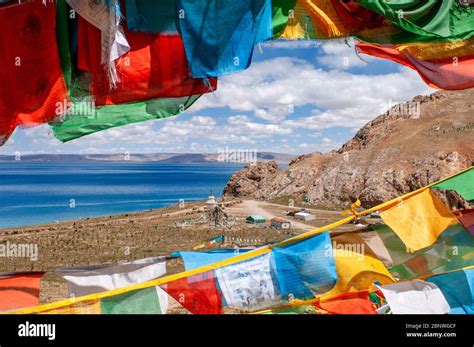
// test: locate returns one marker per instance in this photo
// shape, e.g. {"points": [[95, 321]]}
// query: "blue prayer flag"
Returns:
{"points": [[305, 268], [458, 289], [219, 35]]}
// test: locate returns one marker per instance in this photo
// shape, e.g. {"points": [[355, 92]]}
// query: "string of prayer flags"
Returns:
{"points": [[31, 80], [446, 74], [462, 184], [219, 35], [19, 290], [419, 219], [415, 297], [458, 289], [306, 268]]}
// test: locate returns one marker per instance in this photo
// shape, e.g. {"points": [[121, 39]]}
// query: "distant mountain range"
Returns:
{"points": [[280, 158]]}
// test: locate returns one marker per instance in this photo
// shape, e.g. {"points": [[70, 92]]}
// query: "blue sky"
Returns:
{"points": [[297, 97]]}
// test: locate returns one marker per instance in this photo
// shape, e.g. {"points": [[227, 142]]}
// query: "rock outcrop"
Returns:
{"points": [[410, 146]]}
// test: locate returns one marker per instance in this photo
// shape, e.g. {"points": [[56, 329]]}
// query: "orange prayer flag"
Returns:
{"points": [[454, 73], [19, 290], [418, 220], [348, 303]]}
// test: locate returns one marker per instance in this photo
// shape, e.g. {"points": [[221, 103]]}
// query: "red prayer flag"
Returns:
{"points": [[31, 80], [348, 303], [155, 67], [466, 218], [19, 290], [448, 74], [356, 17], [198, 294]]}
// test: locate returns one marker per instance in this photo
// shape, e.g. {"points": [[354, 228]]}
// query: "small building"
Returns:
{"points": [[255, 219], [305, 216], [280, 224]]}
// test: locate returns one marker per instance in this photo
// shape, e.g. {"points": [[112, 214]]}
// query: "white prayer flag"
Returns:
{"points": [[415, 297]]}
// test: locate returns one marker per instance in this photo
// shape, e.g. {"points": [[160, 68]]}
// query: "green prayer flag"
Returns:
{"points": [[426, 21], [463, 184], [281, 10], [142, 301], [84, 119]]}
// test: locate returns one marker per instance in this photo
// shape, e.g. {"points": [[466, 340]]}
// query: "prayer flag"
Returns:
{"points": [[198, 294], [248, 285], [282, 11], [19, 290], [31, 80], [141, 301], [348, 303], [95, 279], [415, 297], [448, 74], [458, 289], [306, 268], [152, 16], [426, 20], [466, 218], [85, 119], [419, 219], [357, 271], [155, 67], [219, 35], [463, 183]]}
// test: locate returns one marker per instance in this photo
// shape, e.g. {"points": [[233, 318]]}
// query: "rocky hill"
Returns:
{"points": [[411, 145]]}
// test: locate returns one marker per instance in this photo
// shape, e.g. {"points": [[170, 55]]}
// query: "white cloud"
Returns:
{"points": [[271, 88]]}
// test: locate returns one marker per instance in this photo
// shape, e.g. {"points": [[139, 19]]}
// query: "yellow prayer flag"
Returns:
{"points": [[325, 18], [419, 220], [357, 271], [438, 50], [83, 307]]}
